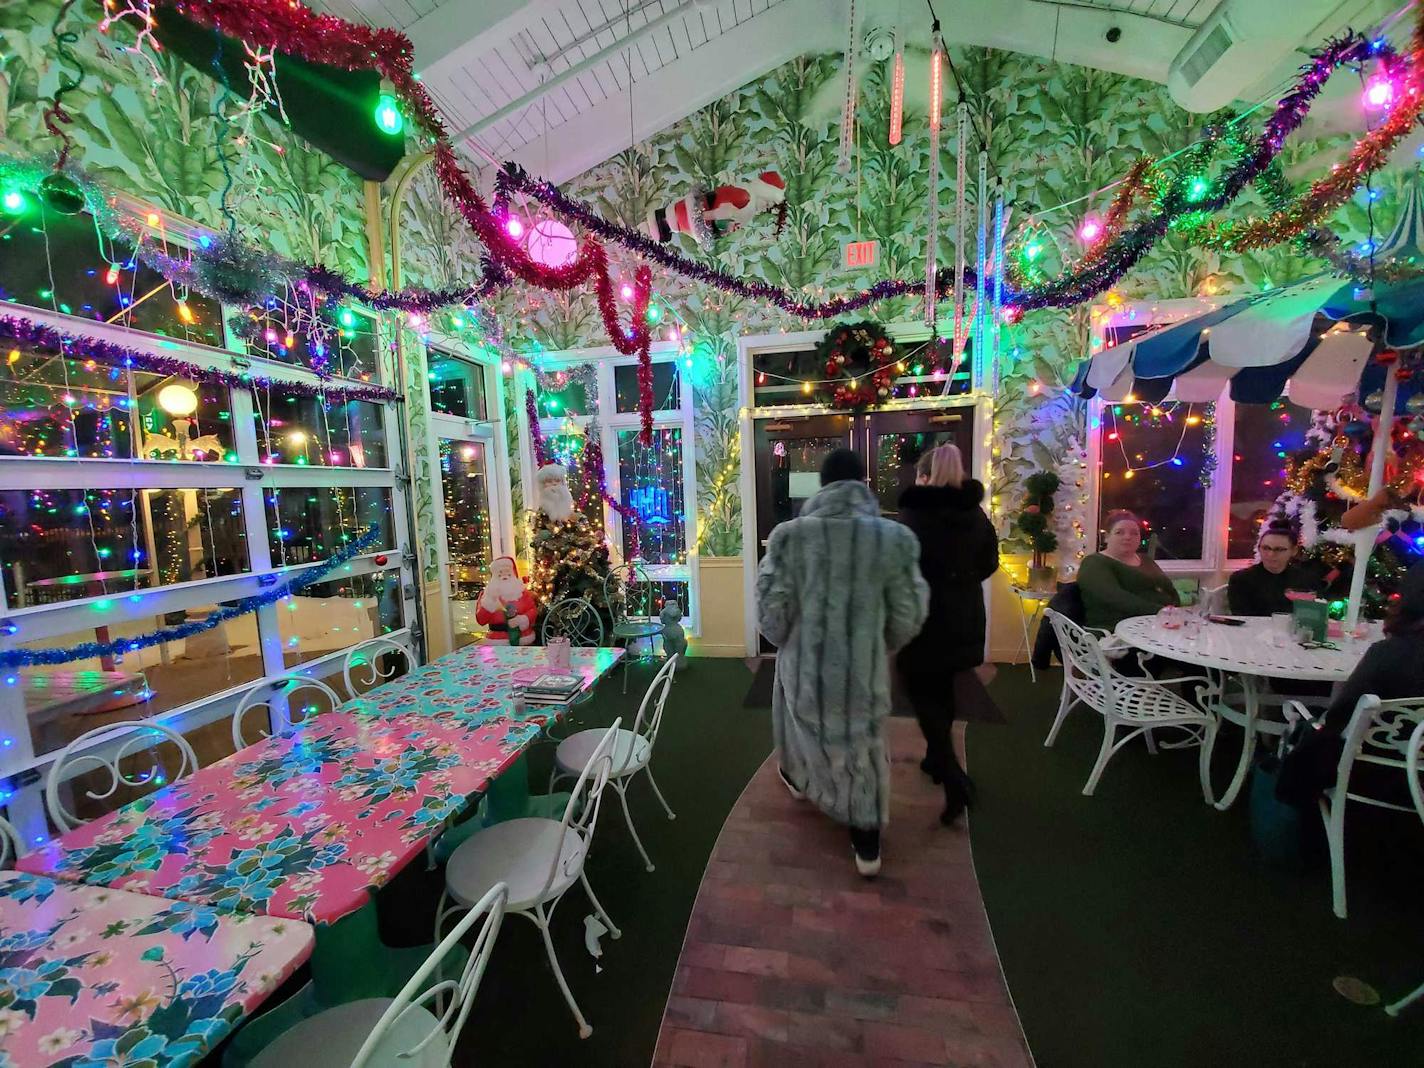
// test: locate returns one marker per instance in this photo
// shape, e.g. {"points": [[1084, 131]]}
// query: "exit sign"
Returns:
{"points": [[858, 254]]}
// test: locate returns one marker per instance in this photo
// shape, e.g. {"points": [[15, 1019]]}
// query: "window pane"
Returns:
{"points": [[306, 524], [651, 485], [467, 528], [63, 702], [558, 404], [297, 428], [41, 246], [457, 387], [667, 394], [63, 544], [778, 377], [1152, 466], [54, 407], [342, 339], [328, 616], [1266, 436]]}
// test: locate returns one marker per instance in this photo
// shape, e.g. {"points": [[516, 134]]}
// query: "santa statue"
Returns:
{"points": [[505, 606], [570, 552], [702, 215]]}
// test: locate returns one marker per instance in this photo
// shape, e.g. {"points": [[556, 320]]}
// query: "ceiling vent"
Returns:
{"points": [[1238, 45], [1204, 56]]}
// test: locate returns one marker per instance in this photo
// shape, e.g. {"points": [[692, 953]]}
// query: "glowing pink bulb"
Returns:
{"points": [[626, 291], [514, 228], [672, 334], [1090, 229], [271, 336], [1379, 92]]}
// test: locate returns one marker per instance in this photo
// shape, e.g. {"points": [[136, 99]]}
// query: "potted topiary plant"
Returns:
{"points": [[1033, 522]]}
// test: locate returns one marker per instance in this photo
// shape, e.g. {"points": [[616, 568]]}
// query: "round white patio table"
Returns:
{"points": [[1254, 652]]}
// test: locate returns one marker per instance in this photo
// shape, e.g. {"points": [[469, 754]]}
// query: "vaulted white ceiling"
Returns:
{"points": [[547, 82]]}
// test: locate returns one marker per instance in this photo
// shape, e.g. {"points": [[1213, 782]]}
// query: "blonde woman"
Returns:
{"points": [[958, 551]]}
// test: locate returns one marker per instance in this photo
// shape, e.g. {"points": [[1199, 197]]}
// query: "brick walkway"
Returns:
{"points": [[792, 959]]}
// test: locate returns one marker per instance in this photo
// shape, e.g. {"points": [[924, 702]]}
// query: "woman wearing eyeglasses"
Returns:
{"points": [[1260, 590]]}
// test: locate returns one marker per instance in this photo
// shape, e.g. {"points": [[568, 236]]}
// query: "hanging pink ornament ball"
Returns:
{"points": [[551, 243]]}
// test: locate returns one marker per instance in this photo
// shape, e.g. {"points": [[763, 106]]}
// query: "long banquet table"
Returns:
{"points": [[308, 823]]}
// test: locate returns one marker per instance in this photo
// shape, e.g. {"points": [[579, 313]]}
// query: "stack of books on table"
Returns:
{"points": [[551, 688]]}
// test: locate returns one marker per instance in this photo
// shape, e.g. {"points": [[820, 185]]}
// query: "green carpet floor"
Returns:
{"points": [[708, 750], [1137, 928]]}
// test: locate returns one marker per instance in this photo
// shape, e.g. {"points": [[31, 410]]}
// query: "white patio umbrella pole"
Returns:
{"points": [[1365, 539]]}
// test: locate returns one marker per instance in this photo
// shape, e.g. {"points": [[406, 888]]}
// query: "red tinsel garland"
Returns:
{"points": [[291, 27]]}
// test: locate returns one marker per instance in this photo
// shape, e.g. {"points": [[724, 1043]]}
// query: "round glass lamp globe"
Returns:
{"points": [[551, 243], [176, 399]]}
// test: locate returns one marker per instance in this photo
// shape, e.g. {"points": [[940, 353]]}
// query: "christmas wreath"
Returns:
{"points": [[860, 365]]}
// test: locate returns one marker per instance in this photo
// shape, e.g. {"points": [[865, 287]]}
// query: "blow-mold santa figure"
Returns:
{"points": [[702, 214], [505, 606]]}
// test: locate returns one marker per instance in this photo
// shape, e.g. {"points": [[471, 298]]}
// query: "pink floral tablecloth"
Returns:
{"points": [[307, 823], [91, 976]]}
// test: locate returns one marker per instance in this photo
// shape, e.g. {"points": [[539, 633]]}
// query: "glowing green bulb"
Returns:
{"points": [[13, 201], [654, 313], [1032, 251], [389, 119], [1197, 189], [347, 318]]}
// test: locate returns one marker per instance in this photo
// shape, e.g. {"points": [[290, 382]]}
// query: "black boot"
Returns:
{"points": [[928, 767], [959, 794]]}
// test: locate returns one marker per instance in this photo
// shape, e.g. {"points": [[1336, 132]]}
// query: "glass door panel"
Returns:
{"points": [[895, 440], [464, 481]]}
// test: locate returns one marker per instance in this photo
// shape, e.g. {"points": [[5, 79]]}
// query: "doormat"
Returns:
{"points": [[759, 692]]}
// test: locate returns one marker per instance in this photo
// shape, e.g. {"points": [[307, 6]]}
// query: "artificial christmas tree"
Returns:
{"points": [[570, 553]]}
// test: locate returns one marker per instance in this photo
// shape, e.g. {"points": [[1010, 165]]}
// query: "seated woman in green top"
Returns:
{"points": [[1118, 582]]}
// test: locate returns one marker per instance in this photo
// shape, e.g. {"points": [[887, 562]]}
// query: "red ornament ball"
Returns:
{"points": [[380, 559]]}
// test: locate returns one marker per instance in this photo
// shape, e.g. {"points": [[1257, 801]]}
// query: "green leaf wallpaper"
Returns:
{"points": [[160, 141]]}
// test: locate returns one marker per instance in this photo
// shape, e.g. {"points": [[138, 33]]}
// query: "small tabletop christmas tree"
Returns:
{"points": [[570, 553]]}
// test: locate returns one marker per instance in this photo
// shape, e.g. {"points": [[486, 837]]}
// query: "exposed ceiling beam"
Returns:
{"points": [[472, 27], [671, 93]]}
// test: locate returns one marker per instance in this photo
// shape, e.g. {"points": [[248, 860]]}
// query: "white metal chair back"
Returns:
{"points": [[576, 619], [1213, 600], [12, 847], [364, 661], [105, 749], [647, 724], [630, 594], [581, 812], [1082, 654], [265, 694], [1412, 764], [450, 1018], [1380, 733]]}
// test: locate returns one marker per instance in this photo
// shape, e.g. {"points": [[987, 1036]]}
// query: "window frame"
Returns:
{"points": [[490, 432], [1216, 499], [605, 359], [20, 765]]}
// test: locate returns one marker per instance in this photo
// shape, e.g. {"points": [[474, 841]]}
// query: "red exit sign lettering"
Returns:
{"points": [[859, 254]]}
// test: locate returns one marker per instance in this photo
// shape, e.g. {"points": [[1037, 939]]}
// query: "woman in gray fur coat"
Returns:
{"points": [[839, 590]]}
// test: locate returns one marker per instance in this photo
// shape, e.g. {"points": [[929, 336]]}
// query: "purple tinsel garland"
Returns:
{"points": [[18, 330], [1105, 269], [536, 435], [14, 658]]}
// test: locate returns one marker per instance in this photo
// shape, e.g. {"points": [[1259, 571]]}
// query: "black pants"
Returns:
{"points": [[934, 707]]}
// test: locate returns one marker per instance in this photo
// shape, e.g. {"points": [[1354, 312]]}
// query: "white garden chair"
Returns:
{"points": [[1413, 752], [105, 749], [1213, 600], [12, 846], [632, 753], [539, 860], [573, 618], [1138, 706], [278, 696], [365, 659], [1378, 734], [388, 1032]]}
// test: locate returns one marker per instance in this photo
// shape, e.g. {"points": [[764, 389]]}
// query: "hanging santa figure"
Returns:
{"points": [[702, 215], [505, 606]]}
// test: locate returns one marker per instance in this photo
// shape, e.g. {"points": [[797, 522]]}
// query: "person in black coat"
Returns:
{"points": [[958, 551]]}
